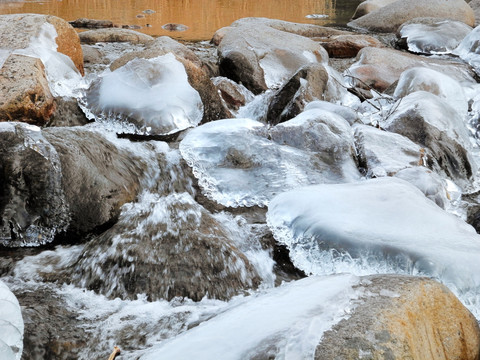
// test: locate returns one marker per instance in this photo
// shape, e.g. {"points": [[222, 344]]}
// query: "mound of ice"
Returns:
{"points": [[11, 325], [469, 49], [152, 94], [237, 164], [285, 323], [376, 226], [439, 37]]}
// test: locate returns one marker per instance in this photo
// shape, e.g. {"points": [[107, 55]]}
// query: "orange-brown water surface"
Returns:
{"points": [[202, 17]]}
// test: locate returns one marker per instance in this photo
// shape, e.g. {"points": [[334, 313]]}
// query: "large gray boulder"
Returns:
{"points": [[428, 121], [261, 57], [369, 6], [389, 18], [378, 68], [401, 317], [165, 247]]}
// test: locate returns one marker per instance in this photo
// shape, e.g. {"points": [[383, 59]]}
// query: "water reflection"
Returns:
{"points": [[202, 17]]}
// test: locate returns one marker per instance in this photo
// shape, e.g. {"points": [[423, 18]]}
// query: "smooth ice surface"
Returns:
{"points": [[469, 49], [441, 37], [11, 325], [285, 323], [377, 226], [424, 79], [237, 165], [153, 94]]}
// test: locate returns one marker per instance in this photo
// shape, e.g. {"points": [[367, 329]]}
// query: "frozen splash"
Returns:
{"points": [[11, 325], [377, 226], [153, 95]]}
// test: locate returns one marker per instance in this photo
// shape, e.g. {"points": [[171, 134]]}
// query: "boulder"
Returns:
{"points": [[378, 68], [389, 17], [366, 7], [383, 153], [475, 5], [428, 121], [434, 82], [197, 73], [233, 95], [347, 46], [469, 49], [114, 35], [21, 31], [85, 23], [432, 35], [262, 57], [165, 247], [33, 207], [24, 91], [67, 113], [401, 317]]}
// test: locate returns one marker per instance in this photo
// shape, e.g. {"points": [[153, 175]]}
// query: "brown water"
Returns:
{"points": [[202, 17]]}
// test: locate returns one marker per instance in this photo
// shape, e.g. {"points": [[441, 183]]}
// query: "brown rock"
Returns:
{"points": [[24, 91], [114, 35], [91, 23], [17, 31], [402, 317], [234, 95], [346, 46]]}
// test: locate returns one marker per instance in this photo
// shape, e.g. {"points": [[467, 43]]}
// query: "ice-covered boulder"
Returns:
{"points": [[152, 95], [261, 57], [432, 81], [389, 18], [383, 153], [33, 206], [429, 121], [376, 226], [394, 319], [237, 164], [165, 247], [379, 68], [11, 325], [432, 35], [286, 322], [347, 113], [469, 49]]}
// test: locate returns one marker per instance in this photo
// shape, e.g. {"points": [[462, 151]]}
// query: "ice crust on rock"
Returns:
{"points": [[11, 325], [286, 322], [469, 49], [152, 94], [383, 225], [441, 37], [237, 165]]}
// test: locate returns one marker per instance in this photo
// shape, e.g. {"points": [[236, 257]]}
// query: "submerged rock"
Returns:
{"points": [[400, 317], [432, 35], [389, 17], [165, 247]]}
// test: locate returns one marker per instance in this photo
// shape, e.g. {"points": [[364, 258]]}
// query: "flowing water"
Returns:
{"points": [[202, 17]]}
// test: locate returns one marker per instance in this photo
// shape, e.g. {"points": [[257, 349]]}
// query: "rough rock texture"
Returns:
{"points": [[17, 31], [24, 92], [428, 121], [262, 57], [165, 247], [67, 113], [403, 317], [389, 18], [368, 6], [308, 84], [114, 35], [91, 23], [33, 208], [383, 153], [346, 46], [98, 177], [381, 67], [233, 95], [198, 77]]}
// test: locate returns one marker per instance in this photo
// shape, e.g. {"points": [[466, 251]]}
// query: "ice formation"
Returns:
{"points": [[469, 49], [11, 325], [376, 226], [285, 323], [237, 165], [440, 37], [152, 94]]}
